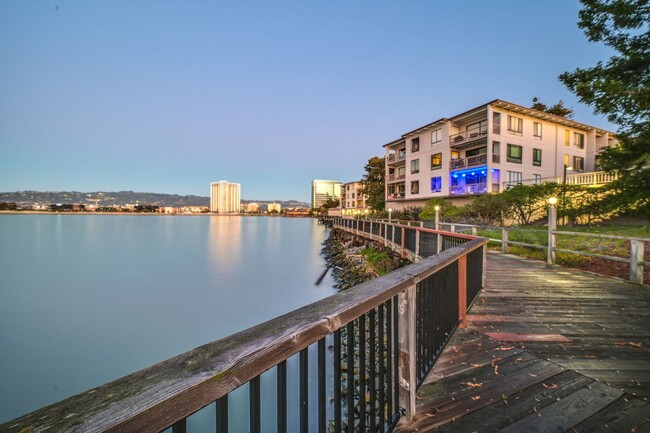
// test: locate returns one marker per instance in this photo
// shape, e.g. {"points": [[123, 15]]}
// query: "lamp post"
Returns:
{"points": [[566, 168], [390, 212], [552, 226], [437, 208], [366, 213]]}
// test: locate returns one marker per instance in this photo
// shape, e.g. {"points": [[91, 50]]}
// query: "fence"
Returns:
{"points": [[360, 355], [410, 238], [635, 259]]}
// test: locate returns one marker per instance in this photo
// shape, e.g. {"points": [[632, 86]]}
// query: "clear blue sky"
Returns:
{"points": [[167, 96]]}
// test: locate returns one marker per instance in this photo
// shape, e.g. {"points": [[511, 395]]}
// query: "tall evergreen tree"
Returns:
{"points": [[374, 186], [620, 89]]}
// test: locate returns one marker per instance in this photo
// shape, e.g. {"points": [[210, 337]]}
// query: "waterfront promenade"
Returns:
{"points": [[545, 349]]}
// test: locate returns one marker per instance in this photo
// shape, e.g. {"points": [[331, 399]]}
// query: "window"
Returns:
{"points": [[537, 157], [415, 144], [567, 161], [455, 154], [514, 153], [567, 136], [579, 140], [515, 124], [478, 128], [578, 163], [537, 178], [475, 152], [537, 130], [436, 136], [436, 184], [496, 151], [436, 161], [496, 123], [415, 166], [415, 187], [514, 178]]}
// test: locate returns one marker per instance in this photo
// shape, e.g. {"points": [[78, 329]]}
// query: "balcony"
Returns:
{"points": [[474, 188], [396, 177], [468, 162], [468, 138], [395, 196], [396, 158]]}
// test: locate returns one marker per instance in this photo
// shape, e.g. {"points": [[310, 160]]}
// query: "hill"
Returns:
{"points": [[104, 198]]}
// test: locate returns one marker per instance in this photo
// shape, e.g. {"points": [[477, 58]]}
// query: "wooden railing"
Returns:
{"points": [[350, 362], [410, 238], [636, 252]]}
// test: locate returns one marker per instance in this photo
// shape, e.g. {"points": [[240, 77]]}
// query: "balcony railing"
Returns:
{"points": [[474, 188], [468, 162], [396, 177], [393, 158], [463, 139], [592, 178], [396, 196]]}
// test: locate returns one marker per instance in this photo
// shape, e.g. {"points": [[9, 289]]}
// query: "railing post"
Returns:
{"points": [[438, 243], [417, 245], [637, 248], [473, 230], [462, 291], [504, 240], [403, 240], [452, 228], [552, 226], [407, 351]]}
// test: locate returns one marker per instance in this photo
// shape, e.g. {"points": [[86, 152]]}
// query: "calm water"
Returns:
{"points": [[87, 299]]}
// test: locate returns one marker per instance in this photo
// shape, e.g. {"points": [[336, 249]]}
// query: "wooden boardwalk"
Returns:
{"points": [[546, 349]]}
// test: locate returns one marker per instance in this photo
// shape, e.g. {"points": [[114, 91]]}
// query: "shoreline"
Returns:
{"points": [[35, 212]]}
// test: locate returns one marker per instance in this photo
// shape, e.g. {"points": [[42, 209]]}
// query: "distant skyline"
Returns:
{"points": [[168, 97]]}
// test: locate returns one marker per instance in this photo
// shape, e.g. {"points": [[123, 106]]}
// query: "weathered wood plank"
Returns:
{"points": [[567, 412]]}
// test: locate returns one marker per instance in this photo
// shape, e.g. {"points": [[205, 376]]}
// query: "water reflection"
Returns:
{"points": [[87, 299]]}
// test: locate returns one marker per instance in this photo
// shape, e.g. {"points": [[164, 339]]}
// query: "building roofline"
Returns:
{"points": [[500, 103]]}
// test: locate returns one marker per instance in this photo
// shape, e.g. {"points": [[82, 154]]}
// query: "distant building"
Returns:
{"points": [[353, 202], [251, 207], [225, 197], [323, 190], [274, 207]]}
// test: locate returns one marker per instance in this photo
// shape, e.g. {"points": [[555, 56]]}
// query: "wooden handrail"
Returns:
{"points": [[157, 397]]}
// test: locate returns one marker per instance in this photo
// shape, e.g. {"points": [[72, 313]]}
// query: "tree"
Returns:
{"points": [[558, 109], [374, 186], [329, 204], [526, 202], [620, 89], [428, 213], [487, 209]]}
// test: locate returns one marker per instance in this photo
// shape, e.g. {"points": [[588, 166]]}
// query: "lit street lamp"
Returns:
{"points": [[390, 212]]}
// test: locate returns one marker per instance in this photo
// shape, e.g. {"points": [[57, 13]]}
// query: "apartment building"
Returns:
{"points": [[322, 190], [485, 150], [353, 202], [225, 197]]}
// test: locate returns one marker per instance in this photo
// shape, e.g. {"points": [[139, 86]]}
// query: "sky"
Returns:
{"points": [[167, 96]]}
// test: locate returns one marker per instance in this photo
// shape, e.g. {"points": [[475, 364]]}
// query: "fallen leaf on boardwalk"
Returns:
{"points": [[477, 365], [496, 370], [535, 410], [519, 359], [476, 397], [505, 348], [631, 344], [472, 384], [553, 386], [532, 375]]}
